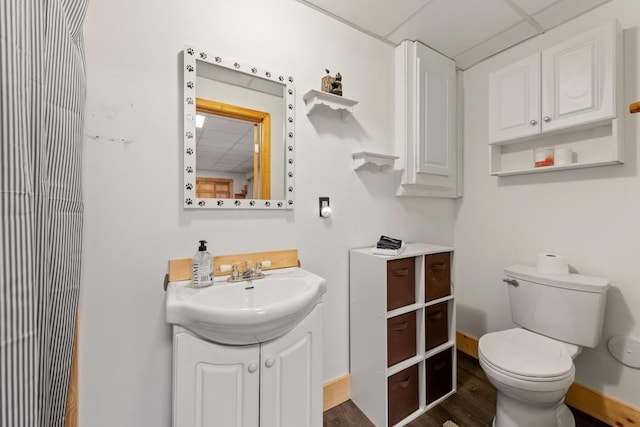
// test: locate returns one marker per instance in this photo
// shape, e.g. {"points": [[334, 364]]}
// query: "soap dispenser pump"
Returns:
{"points": [[201, 266]]}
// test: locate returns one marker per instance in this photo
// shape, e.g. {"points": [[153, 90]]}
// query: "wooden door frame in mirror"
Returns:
{"points": [[190, 57], [254, 116]]}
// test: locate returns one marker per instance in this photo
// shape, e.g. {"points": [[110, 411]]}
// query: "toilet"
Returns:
{"points": [[532, 366]]}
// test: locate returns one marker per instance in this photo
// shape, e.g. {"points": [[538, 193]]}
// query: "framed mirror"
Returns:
{"points": [[239, 140]]}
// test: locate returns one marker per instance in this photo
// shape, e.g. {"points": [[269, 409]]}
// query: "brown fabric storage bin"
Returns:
{"points": [[403, 391], [439, 375], [437, 276], [436, 325], [401, 338], [401, 283]]}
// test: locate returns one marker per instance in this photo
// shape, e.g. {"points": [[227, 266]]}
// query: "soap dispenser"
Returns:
{"points": [[201, 266]]}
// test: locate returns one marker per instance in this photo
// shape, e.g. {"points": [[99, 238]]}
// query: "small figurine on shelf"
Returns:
{"points": [[327, 82], [336, 85]]}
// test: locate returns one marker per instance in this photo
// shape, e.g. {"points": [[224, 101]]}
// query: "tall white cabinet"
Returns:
{"points": [[402, 332], [276, 383], [426, 122], [573, 87]]}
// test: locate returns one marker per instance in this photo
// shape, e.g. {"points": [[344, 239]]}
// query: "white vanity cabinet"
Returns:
{"points": [[426, 122], [569, 87], [402, 332], [275, 383]]}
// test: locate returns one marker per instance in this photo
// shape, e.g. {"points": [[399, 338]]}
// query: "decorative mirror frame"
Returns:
{"points": [[191, 54]]}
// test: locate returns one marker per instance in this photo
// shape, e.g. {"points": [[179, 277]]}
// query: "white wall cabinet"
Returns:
{"points": [[276, 383], [574, 86], [402, 332], [426, 122]]}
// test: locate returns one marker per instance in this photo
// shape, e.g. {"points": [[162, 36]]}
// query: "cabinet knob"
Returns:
{"points": [[253, 366], [533, 122], [269, 362], [547, 119]]}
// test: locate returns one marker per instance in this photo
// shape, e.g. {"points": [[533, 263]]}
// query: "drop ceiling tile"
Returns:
{"points": [[454, 26], [533, 6], [223, 124], [563, 11], [209, 137], [377, 16], [498, 43]]}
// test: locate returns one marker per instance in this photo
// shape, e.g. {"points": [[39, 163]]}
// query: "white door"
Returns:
{"points": [[291, 371], [436, 113], [514, 100], [215, 385], [578, 79]]}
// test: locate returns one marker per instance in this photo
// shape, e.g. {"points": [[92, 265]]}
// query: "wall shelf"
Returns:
{"points": [[365, 159], [314, 98], [591, 147], [556, 168]]}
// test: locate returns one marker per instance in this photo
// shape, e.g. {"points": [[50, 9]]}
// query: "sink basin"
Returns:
{"points": [[245, 312]]}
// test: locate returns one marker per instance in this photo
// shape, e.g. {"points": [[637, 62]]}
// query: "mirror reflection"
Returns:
{"points": [[239, 135], [233, 151]]}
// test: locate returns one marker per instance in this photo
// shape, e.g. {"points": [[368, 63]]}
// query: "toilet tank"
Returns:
{"points": [[569, 308]]}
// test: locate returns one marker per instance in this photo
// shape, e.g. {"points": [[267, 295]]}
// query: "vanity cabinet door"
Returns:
{"points": [[578, 80], [514, 100], [214, 385], [291, 376]]}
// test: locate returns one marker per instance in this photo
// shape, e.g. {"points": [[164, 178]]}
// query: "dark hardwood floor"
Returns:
{"points": [[472, 406]]}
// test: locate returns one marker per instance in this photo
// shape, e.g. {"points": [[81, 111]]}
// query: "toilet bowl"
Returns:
{"points": [[532, 374], [532, 366]]}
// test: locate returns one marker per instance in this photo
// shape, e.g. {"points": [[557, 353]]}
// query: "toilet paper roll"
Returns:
{"points": [[563, 156], [552, 264]]}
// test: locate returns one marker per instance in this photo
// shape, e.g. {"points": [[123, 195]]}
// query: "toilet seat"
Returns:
{"points": [[527, 356]]}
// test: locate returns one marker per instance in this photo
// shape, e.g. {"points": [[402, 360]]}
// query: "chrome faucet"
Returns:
{"points": [[249, 273]]}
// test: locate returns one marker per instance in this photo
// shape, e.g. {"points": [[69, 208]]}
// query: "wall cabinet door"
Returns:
{"points": [[578, 80], [215, 385], [426, 117], [291, 376], [514, 100], [436, 113]]}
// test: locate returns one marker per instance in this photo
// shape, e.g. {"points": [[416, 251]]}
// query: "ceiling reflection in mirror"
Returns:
{"points": [[239, 135]]}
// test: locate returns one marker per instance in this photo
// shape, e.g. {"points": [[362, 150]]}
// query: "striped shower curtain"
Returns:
{"points": [[42, 90]]}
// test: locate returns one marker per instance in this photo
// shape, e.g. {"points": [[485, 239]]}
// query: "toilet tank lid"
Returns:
{"points": [[578, 282]]}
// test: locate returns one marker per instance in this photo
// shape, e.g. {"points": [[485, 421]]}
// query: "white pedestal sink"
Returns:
{"points": [[246, 312]]}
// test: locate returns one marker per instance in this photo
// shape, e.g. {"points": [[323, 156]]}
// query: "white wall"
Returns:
{"points": [[134, 220], [590, 215]]}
